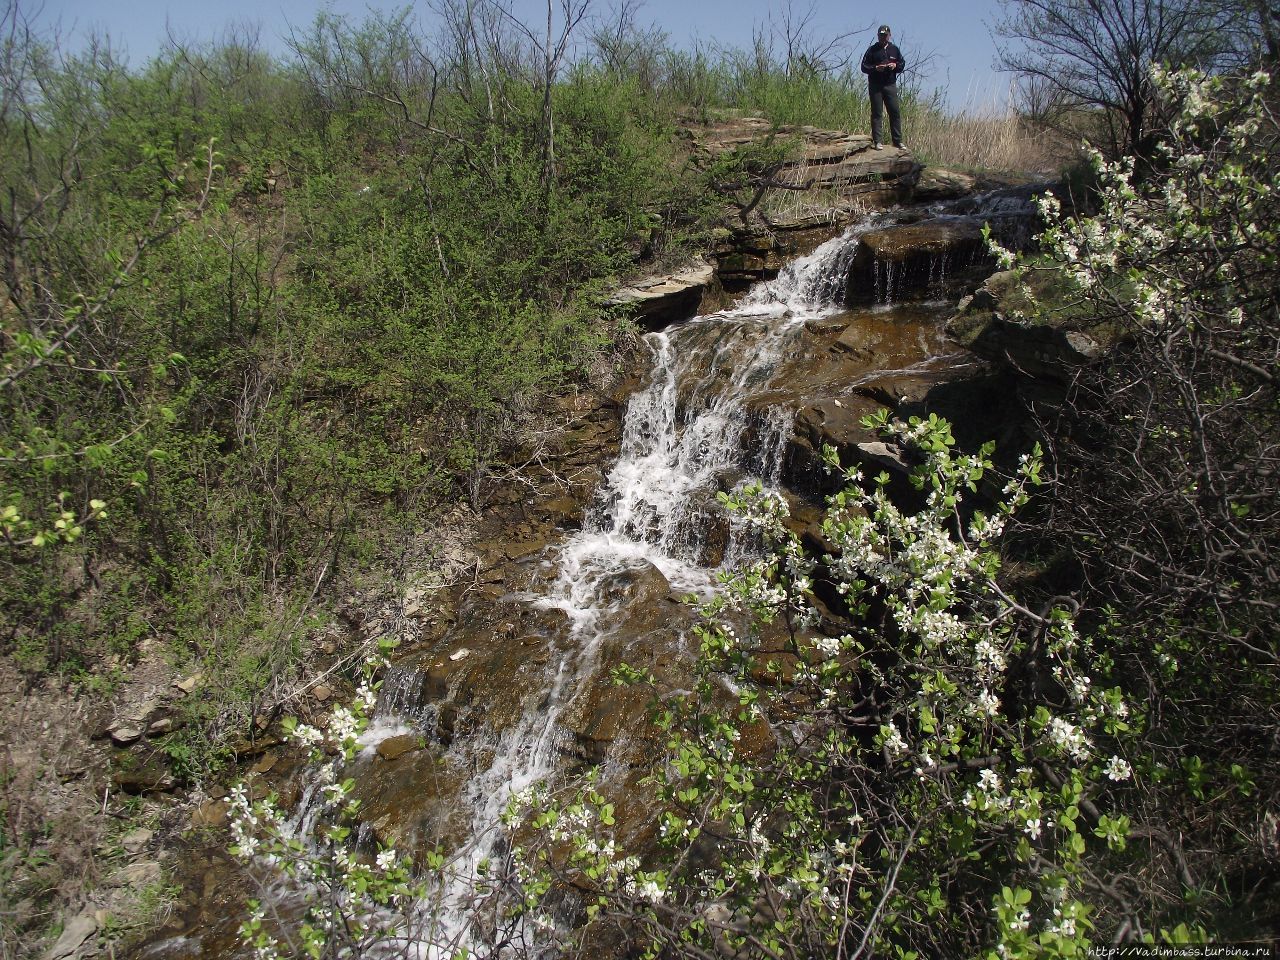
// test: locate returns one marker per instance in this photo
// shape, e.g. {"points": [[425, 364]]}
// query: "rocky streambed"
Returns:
{"points": [[584, 565]]}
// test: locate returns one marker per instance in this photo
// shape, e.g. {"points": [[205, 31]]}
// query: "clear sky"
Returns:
{"points": [[953, 33]]}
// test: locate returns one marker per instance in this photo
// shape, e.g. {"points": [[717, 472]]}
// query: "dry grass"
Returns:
{"points": [[986, 138]]}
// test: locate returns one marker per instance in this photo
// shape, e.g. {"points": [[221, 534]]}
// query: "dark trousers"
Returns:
{"points": [[882, 98]]}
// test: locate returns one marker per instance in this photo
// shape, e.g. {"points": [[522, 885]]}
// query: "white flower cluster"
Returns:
{"points": [[1069, 739], [1118, 769], [892, 740], [827, 646]]}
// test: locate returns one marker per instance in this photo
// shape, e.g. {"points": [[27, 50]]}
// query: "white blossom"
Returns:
{"points": [[1118, 769]]}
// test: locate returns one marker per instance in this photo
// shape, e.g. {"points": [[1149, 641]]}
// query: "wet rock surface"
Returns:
{"points": [[507, 657], [917, 261]]}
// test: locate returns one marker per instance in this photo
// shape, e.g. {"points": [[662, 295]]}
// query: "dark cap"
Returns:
{"points": [[884, 28]]}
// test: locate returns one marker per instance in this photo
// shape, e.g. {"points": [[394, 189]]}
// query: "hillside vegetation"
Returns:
{"points": [[266, 317]]}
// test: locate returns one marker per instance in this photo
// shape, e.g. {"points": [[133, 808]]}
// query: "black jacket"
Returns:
{"points": [[876, 55]]}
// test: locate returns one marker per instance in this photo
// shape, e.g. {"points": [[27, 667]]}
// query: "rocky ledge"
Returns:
{"points": [[994, 323], [657, 301], [830, 179]]}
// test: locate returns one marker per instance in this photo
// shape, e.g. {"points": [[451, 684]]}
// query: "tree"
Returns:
{"points": [[921, 775], [1096, 55], [1166, 459]]}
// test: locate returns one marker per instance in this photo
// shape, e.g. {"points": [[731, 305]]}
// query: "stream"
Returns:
{"points": [[718, 410], [517, 691]]}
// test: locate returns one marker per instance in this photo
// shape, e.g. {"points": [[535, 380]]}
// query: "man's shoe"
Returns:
{"points": [[901, 146], [876, 146]]}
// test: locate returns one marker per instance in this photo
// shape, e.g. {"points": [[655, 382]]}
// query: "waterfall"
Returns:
{"points": [[701, 424], [682, 436]]}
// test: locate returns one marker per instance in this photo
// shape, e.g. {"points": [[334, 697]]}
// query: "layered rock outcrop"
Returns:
{"points": [[916, 261], [830, 179], [996, 322], [656, 301]]}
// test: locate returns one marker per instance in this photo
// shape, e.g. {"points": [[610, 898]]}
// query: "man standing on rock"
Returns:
{"points": [[882, 63]]}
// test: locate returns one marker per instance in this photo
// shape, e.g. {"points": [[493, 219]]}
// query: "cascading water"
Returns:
{"points": [[509, 695], [709, 419], [683, 439]]}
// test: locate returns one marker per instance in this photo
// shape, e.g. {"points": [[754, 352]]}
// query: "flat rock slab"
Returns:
{"points": [[74, 934], [657, 301]]}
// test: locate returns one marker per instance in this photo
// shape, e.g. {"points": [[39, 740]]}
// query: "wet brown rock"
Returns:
{"points": [[393, 748], [562, 511], [834, 423], [604, 720], [519, 551], [916, 261], [715, 540], [412, 804], [825, 325], [775, 669]]}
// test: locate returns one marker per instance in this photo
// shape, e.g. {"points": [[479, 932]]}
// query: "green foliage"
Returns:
{"points": [[1166, 500], [251, 300], [829, 791]]}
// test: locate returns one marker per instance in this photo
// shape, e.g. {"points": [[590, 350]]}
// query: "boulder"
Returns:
{"points": [[212, 814], [937, 184], [822, 160], [124, 733], [1006, 320], [1041, 352], [393, 748]]}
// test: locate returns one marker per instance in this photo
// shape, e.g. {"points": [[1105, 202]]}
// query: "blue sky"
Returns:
{"points": [[954, 33]]}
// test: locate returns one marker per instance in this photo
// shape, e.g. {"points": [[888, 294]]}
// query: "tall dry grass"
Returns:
{"points": [[986, 137]]}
